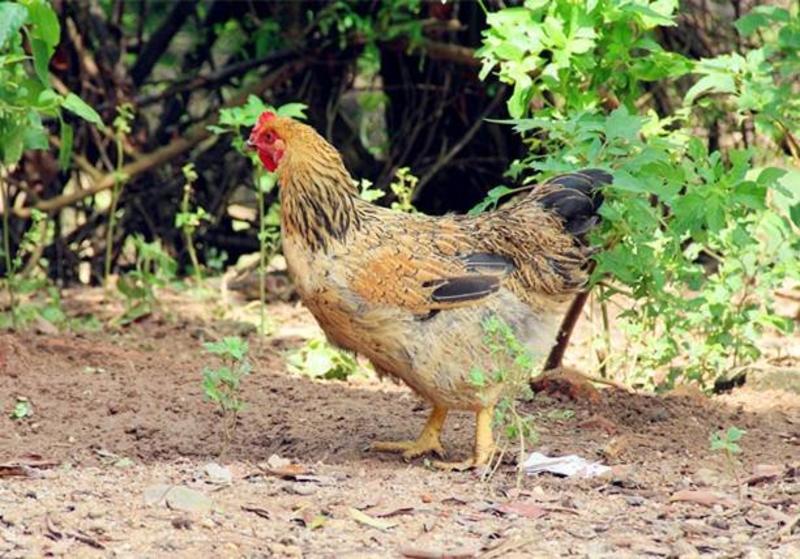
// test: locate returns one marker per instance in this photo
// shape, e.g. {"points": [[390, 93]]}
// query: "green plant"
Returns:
{"points": [[728, 443], [26, 99], [402, 187], [25, 93], [511, 366], [22, 409], [696, 240], [215, 259], [317, 359], [188, 220], [232, 121], [153, 268], [122, 127], [222, 385], [31, 295]]}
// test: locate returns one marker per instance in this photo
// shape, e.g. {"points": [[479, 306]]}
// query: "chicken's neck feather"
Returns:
{"points": [[318, 196]]}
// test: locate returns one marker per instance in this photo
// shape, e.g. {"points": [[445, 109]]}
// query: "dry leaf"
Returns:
{"points": [[394, 510], [188, 500], [154, 494], [26, 467], [258, 511], [368, 520], [764, 472], [420, 553], [284, 468], [703, 497], [527, 509]]}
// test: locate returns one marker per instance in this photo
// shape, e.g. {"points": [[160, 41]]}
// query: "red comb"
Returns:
{"points": [[265, 116]]}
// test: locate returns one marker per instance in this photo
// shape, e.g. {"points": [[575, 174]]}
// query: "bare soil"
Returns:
{"points": [[118, 415]]}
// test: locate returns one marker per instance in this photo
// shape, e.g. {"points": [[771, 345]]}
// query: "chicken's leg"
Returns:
{"points": [[484, 444], [428, 440]]}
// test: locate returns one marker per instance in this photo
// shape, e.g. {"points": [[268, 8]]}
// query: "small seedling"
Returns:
{"points": [[122, 128], [728, 442], [511, 366], [222, 385], [22, 409], [188, 220], [403, 187], [154, 268]]}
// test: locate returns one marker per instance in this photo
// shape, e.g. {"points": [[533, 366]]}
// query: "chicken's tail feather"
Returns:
{"points": [[575, 197]]}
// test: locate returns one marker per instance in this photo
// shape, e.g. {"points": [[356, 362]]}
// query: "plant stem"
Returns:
{"points": [[262, 262], [606, 331], [113, 211], [188, 231], [7, 248]]}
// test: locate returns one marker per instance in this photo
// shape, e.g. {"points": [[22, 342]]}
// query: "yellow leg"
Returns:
{"points": [[484, 444], [428, 440]]}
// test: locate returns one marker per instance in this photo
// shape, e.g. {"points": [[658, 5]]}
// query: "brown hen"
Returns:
{"points": [[411, 292]]}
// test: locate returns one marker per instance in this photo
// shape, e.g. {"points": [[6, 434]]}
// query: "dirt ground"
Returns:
{"points": [[120, 458]]}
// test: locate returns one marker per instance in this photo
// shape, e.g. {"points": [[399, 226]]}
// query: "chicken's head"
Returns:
{"points": [[266, 138]]}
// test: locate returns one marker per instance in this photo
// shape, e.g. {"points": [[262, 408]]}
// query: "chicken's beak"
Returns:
{"points": [[250, 143]]}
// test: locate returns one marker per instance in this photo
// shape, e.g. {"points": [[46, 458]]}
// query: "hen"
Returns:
{"points": [[411, 292]]}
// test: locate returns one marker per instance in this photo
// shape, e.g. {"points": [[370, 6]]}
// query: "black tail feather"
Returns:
{"points": [[578, 199]]}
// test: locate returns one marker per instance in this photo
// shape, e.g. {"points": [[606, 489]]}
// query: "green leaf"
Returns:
{"points": [[45, 23], [649, 16], [22, 409], [12, 17], [41, 60], [65, 151], [12, 144], [518, 102], [717, 83], [621, 124], [34, 138], [735, 434], [477, 377], [760, 16], [293, 110], [53, 314], [78, 106]]}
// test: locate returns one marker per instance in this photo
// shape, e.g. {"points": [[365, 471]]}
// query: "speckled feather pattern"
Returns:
{"points": [[410, 291]]}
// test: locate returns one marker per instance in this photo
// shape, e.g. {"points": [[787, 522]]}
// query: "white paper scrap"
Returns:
{"points": [[571, 465]]}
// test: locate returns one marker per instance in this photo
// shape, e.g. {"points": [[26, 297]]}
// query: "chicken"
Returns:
{"points": [[411, 292]]}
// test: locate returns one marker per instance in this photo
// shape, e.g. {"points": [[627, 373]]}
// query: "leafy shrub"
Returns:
{"points": [[26, 99], [696, 241]]}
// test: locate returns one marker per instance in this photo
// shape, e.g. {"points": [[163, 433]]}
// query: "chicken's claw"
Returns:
{"points": [[428, 440], [410, 449]]}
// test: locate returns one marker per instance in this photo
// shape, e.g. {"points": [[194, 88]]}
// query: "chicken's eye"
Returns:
{"points": [[269, 136]]}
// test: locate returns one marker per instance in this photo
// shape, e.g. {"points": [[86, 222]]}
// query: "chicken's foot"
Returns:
{"points": [[428, 440], [484, 444]]}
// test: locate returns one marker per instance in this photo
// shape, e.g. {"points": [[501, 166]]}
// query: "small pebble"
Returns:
{"points": [[634, 500]]}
